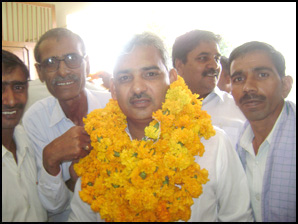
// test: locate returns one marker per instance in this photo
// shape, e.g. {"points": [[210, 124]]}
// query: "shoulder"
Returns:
{"points": [[219, 140], [22, 140], [99, 93], [291, 106], [97, 99], [39, 108]]}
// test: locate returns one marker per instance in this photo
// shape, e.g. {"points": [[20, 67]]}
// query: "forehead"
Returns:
{"points": [[16, 74], [206, 46], [139, 57], [251, 60], [59, 46]]}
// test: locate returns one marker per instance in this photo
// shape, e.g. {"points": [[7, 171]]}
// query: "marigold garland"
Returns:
{"points": [[154, 179]]}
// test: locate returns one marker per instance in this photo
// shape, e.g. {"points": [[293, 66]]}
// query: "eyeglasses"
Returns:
{"points": [[71, 60]]}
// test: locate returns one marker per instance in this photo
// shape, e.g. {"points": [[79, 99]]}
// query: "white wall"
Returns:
{"points": [[65, 8], [104, 25]]}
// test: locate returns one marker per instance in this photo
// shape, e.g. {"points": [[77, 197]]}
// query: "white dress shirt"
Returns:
{"points": [[255, 167], [225, 197], [224, 112], [45, 121], [20, 201]]}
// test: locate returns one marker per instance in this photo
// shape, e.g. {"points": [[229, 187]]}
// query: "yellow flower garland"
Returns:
{"points": [[154, 179]]}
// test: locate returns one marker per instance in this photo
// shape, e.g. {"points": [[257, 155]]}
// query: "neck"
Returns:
{"points": [[137, 129], [262, 128], [76, 108], [8, 141]]}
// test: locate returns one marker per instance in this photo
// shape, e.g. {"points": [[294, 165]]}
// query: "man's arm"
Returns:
{"points": [[53, 191]]}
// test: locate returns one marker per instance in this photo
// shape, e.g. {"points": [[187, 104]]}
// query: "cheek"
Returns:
{"points": [[236, 93]]}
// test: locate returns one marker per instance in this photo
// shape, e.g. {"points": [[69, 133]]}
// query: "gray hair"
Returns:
{"points": [[147, 39], [57, 33]]}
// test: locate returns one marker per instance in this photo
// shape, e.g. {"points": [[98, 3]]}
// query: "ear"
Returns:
{"points": [[113, 89], [179, 65], [39, 72], [287, 83], [173, 75]]}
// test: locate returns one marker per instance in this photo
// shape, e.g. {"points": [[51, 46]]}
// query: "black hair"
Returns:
{"points": [[277, 58], [10, 62], [224, 61], [188, 41]]}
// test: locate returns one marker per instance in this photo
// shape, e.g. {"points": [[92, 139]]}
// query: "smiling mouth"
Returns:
{"points": [[64, 83], [212, 75], [9, 112]]}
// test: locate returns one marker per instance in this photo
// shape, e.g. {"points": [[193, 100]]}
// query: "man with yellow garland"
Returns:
{"points": [[140, 86]]}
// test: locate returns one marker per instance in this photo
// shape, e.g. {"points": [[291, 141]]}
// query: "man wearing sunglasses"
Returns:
{"points": [[55, 124]]}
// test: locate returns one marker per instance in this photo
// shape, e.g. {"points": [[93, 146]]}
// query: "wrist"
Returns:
{"points": [[51, 164]]}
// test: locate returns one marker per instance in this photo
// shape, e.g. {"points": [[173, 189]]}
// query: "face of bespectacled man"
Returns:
{"points": [[140, 83], [257, 88], [64, 81], [14, 97], [202, 68]]}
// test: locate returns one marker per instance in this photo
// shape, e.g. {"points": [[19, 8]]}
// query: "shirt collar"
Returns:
{"points": [[214, 93], [58, 114], [248, 134], [127, 131], [22, 144]]}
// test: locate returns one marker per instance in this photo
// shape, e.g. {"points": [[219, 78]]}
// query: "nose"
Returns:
{"points": [[8, 97], [215, 64], [138, 85], [250, 84], [63, 69]]}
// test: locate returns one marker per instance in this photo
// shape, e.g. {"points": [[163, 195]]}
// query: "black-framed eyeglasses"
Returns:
{"points": [[72, 60]]}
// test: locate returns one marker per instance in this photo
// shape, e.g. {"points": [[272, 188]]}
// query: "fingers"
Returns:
{"points": [[73, 144]]}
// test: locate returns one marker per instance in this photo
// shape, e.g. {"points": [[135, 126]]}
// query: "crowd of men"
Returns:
{"points": [[251, 160]]}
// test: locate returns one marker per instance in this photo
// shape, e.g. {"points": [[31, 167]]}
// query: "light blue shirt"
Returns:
{"points": [[45, 121]]}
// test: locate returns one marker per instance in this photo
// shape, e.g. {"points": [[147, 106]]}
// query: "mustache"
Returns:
{"points": [[70, 77], [139, 96], [17, 106], [248, 97], [208, 71]]}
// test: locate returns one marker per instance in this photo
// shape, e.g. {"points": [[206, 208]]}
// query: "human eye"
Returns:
{"points": [[151, 74], [19, 87], [72, 57], [237, 79], [263, 75], [50, 61], [123, 78], [202, 58]]}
